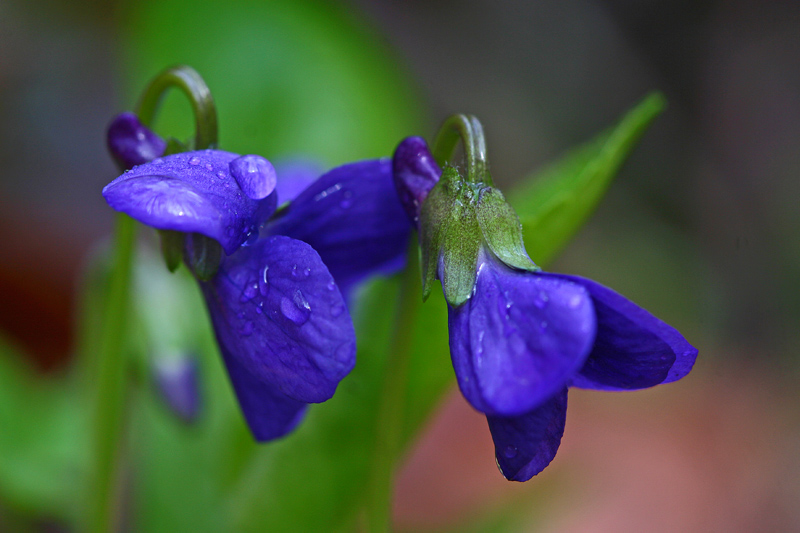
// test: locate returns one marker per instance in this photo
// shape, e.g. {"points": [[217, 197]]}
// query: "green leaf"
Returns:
{"points": [[556, 202]]}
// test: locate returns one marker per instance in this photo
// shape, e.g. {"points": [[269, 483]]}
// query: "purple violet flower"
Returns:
{"points": [[523, 337], [276, 303]]}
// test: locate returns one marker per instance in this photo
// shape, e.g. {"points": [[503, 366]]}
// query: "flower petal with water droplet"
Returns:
{"points": [[300, 338], [180, 193], [352, 217]]}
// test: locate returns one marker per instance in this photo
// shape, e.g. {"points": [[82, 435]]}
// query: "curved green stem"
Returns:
{"points": [[109, 376], [467, 129], [108, 421], [189, 81], [389, 428]]}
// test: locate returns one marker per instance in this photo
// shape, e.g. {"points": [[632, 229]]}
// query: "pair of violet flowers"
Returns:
{"points": [[278, 255]]}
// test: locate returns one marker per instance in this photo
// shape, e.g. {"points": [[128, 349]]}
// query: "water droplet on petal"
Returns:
{"points": [[297, 309], [255, 175], [337, 310], [263, 282], [209, 167], [575, 301], [307, 272], [541, 300], [158, 161], [331, 285], [510, 452], [221, 175], [194, 161], [295, 272], [345, 204], [249, 292]]}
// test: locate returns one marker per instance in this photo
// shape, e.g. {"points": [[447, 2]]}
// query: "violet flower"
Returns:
{"points": [[523, 336], [277, 307]]}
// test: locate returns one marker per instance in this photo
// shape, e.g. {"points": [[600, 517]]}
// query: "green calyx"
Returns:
{"points": [[458, 218]]}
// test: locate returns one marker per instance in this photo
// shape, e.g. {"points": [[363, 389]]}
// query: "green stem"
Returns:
{"points": [[468, 130], [194, 87], [109, 402], [390, 412]]}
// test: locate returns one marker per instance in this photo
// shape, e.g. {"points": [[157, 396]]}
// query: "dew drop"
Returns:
{"points": [[295, 272], [345, 204], [297, 309], [510, 452], [249, 292], [541, 300], [158, 161], [209, 167], [254, 174], [221, 175], [337, 310], [263, 282], [194, 161], [575, 301], [260, 308], [307, 272], [331, 285]]}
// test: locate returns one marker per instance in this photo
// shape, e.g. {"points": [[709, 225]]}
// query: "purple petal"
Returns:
{"points": [[277, 311], [191, 192], [524, 445], [269, 413], [351, 216], [255, 176], [519, 339], [415, 173], [131, 143], [177, 381], [295, 176], [633, 349]]}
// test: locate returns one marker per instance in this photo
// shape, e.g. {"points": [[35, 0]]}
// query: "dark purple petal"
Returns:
{"points": [[519, 339], [524, 445], [131, 143], [255, 176], [633, 349], [415, 173], [177, 381], [191, 192], [269, 413], [277, 311], [351, 216], [295, 176]]}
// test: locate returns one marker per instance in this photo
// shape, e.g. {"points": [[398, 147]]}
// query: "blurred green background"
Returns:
{"points": [[701, 227]]}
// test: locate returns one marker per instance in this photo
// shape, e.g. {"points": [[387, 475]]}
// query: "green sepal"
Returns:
{"points": [[502, 230], [203, 256], [172, 248], [450, 233]]}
